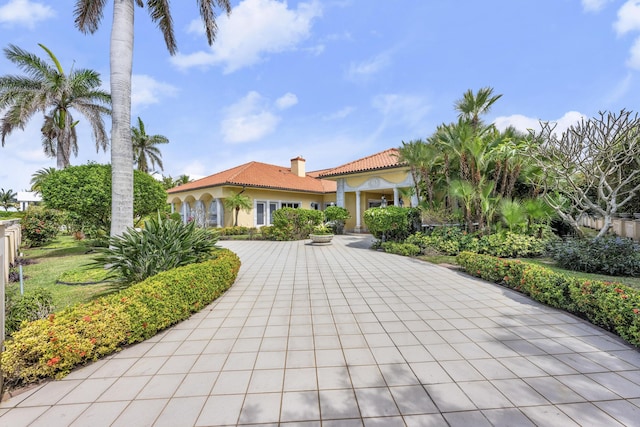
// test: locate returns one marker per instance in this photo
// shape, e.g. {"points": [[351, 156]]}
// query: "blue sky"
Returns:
{"points": [[336, 80]]}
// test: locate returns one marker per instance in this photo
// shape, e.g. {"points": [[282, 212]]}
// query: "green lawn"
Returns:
{"points": [[63, 259]]}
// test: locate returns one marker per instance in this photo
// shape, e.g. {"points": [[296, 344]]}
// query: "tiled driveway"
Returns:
{"points": [[340, 335]]}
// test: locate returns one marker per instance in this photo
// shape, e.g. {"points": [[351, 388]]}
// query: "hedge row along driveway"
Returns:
{"points": [[612, 306], [52, 347]]}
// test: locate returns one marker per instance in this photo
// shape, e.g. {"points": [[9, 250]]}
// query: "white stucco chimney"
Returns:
{"points": [[297, 166]]}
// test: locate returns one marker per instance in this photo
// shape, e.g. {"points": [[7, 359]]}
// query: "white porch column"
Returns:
{"points": [[220, 213], [340, 193], [173, 207], [184, 212], [396, 200], [358, 220]]}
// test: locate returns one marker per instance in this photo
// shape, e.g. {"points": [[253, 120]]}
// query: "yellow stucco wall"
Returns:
{"points": [[247, 219], [393, 176]]}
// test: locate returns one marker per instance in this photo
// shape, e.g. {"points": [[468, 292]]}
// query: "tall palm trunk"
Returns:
{"points": [[121, 149]]}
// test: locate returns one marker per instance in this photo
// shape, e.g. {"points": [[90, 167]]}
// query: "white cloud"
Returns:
{"points": [[365, 69], [195, 170], [407, 109], [525, 124], [628, 17], [286, 101], [621, 89], [25, 12], [145, 90], [340, 114], [254, 28], [594, 5], [249, 119], [634, 55]]}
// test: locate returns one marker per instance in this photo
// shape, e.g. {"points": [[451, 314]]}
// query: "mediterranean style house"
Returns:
{"points": [[368, 182]]}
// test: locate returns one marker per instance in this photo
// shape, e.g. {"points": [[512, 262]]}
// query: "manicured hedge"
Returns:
{"points": [[612, 306], [52, 347]]}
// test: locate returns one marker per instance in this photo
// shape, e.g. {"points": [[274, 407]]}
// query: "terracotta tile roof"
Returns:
{"points": [[261, 175], [382, 160]]}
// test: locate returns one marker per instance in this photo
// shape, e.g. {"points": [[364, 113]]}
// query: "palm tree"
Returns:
{"points": [[88, 14], [471, 106], [48, 89], [39, 177], [181, 180], [7, 198], [237, 202], [145, 152]]}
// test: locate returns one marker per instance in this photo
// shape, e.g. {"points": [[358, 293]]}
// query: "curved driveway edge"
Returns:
{"points": [[340, 335]]}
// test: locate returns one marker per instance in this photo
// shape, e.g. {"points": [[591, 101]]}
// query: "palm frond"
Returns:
{"points": [[88, 14]]}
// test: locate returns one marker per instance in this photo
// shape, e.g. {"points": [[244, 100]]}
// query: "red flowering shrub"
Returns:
{"points": [[40, 225], [51, 347], [612, 306]]}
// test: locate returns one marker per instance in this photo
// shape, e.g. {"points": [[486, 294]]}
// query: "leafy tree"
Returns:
{"points": [[48, 89], [38, 177], [88, 14], [594, 166], [145, 152], [236, 203], [7, 198], [168, 182], [85, 193]]}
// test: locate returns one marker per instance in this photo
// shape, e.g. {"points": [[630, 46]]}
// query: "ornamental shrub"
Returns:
{"points": [[336, 216], [390, 223], [294, 224], [161, 245], [511, 245], [35, 303], [406, 249], [453, 240], [51, 347], [612, 255], [612, 306], [40, 225]]}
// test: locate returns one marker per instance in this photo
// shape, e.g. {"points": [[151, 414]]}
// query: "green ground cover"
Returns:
{"points": [[67, 260]]}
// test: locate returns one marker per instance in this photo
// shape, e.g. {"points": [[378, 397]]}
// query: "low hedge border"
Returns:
{"points": [[612, 306], [53, 346]]}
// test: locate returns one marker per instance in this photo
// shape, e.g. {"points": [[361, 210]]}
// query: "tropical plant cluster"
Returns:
{"points": [[471, 169], [612, 255], [612, 306], [53, 346], [161, 245]]}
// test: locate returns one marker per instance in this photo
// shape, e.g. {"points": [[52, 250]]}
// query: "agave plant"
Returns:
{"points": [[161, 245]]}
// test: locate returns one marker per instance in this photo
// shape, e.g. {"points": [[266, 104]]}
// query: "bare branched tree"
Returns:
{"points": [[593, 167]]}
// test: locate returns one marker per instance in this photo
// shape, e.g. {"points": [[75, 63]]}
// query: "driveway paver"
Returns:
{"points": [[340, 335]]}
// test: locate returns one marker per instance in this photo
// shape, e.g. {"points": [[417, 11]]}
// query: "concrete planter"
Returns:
{"points": [[321, 238]]}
